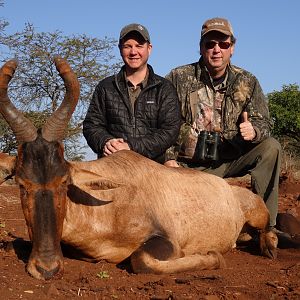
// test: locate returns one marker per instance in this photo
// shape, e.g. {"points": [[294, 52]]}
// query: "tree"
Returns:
{"points": [[8, 141], [285, 111], [3, 25], [37, 88]]}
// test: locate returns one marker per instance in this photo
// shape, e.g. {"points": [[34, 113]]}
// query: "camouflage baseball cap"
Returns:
{"points": [[217, 24], [142, 30]]}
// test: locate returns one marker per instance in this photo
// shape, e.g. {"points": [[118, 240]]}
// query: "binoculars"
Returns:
{"points": [[207, 146]]}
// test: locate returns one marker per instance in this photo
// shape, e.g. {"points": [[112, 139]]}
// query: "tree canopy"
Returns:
{"points": [[37, 88], [285, 111]]}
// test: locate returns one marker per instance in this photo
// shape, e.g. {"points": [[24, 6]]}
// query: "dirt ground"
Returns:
{"points": [[247, 275]]}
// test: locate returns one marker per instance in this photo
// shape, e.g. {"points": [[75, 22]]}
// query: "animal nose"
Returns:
{"points": [[44, 270], [48, 274]]}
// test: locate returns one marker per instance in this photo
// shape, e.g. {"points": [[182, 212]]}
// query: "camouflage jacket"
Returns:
{"points": [[242, 93]]}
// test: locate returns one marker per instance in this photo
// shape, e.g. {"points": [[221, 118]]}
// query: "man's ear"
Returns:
{"points": [[200, 47], [149, 48], [231, 50]]}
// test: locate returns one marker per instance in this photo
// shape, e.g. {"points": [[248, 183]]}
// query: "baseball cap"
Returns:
{"points": [[142, 30], [217, 24]]}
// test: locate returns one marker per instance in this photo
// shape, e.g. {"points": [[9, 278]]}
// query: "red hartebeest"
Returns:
{"points": [[124, 205]]}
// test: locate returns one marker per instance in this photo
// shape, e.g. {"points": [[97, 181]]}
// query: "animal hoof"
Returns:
{"points": [[221, 260]]}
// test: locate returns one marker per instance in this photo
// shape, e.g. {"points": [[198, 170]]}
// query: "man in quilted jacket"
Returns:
{"points": [[134, 109], [226, 123]]}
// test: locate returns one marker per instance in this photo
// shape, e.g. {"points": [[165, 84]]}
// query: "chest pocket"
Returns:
{"points": [[146, 114]]}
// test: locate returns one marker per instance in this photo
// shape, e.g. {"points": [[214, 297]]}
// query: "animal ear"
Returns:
{"points": [[7, 166], [84, 197], [91, 187], [91, 180]]}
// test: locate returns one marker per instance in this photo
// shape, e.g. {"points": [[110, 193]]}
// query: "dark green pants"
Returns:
{"points": [[263, 164]]}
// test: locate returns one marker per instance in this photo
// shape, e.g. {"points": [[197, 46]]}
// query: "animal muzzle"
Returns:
{"points": [[46, 268]]}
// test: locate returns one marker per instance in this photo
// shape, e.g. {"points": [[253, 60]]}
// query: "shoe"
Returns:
{"points": [[285, 240], [280, 234]]}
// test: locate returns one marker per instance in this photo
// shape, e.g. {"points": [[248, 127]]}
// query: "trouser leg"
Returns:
{"points": [[263, 164]]}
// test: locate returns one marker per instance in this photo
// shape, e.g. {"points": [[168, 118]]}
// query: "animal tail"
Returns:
{"points": [[143, 262]]}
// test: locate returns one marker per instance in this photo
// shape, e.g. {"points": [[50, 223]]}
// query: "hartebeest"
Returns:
{"points": [[124, 205]]}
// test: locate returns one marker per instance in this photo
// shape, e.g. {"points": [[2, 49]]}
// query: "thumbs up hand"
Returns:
{"points": [[247, 131]]}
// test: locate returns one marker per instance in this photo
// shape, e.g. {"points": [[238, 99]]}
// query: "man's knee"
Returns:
{"points": [[270, 147]]}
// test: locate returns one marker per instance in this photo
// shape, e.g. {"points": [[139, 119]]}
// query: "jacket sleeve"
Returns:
{"points": [[185, 128], [165, 135], [258, 113], [95, 123]]}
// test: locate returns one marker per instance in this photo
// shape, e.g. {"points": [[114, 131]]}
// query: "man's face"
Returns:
{"points": [[135, 51], [216, 50]]}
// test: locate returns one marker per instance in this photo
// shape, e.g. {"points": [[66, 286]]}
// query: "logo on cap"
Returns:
{"points": [[217, 24], [135, 27]]}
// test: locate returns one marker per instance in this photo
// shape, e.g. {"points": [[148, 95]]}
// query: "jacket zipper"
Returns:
{"points": [[134, 110]]}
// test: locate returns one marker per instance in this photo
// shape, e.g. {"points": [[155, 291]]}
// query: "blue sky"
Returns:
{"points": [[267, 31]]}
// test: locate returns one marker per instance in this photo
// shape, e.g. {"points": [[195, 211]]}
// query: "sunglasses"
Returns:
{"points": [[212, 44]]}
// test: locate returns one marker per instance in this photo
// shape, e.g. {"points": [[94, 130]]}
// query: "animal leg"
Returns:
{"points": [[257, 216], [158, 256]]}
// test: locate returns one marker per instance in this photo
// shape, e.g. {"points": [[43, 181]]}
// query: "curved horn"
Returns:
{"points": [[22, 128], [54, 128]]}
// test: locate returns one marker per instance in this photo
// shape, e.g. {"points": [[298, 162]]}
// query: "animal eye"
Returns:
{"points": [[65, 180]]}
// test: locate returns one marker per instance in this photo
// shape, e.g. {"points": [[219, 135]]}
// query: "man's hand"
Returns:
{"points": [[171, 163], [247, 131], [114, 145]]}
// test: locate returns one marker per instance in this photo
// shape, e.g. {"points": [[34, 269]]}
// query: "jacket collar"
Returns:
{"points": [[121, 80], [202, 73]]}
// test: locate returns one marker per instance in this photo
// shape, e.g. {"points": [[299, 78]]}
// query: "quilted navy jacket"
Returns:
{"points": [[150, 129]]}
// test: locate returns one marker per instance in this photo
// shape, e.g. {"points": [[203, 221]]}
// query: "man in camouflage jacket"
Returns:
{"points": [[217, 97]]}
